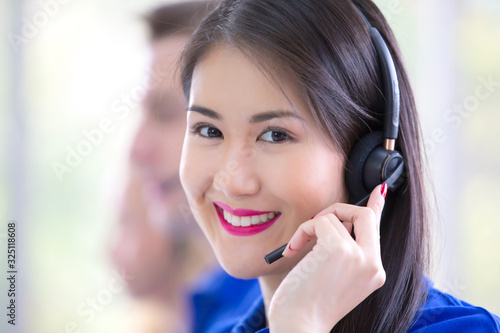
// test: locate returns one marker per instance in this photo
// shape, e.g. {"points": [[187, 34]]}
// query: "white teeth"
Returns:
{"points": [[235, 220], [246, 221]]}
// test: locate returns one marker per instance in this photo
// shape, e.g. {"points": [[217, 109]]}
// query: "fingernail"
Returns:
{"points": [[383, 190], [290, 246]]}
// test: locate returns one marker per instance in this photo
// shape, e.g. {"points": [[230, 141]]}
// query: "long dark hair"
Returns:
{"points": [[324, 48]]}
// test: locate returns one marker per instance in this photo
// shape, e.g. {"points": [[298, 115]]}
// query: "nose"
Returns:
{"points": [[238, 175]]}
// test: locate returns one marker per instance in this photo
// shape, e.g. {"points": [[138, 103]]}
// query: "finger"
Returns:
{"points": [[348, 226], [312, 230], [366, 229], [362, 219], [365, 220], [325, 211], [376, 201], [367, 223]]}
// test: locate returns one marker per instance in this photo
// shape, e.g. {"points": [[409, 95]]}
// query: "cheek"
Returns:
{"points": [[195, 171], [310, 182], [188, 167]]}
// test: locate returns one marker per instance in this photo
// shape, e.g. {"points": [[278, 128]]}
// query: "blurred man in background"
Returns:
{"points": [[160, 265], [158, 243]]}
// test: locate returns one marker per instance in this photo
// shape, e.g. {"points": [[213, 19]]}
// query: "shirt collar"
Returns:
{"points": [[253, 320]]}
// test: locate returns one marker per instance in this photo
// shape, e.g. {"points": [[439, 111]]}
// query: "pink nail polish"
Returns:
{"points": [[383, 190]]}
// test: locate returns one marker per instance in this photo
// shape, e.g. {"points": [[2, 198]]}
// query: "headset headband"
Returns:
{"points": [[391, 85]]}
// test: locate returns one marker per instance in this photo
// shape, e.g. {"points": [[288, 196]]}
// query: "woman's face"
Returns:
{"points": [[253, 156]]}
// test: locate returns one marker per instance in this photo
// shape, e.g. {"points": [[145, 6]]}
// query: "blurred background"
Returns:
{"points": [[72, 68]]}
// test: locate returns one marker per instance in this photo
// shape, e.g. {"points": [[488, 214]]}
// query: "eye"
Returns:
{"points": [[207, 131], [275, 135]]}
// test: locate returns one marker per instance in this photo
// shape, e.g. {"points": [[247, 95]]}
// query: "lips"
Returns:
{"points": [[244, 222]]}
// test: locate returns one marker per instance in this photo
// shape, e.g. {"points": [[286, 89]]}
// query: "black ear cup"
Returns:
{"points": [[370, 164], [356, 163]]}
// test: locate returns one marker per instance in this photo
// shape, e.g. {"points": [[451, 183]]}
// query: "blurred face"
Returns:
{"points": [[156, 148], [143, 246], [139, 249], [155, 220], [254, 164]]}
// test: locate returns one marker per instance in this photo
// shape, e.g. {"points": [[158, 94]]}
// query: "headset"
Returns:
{"points": [[373, 160]]}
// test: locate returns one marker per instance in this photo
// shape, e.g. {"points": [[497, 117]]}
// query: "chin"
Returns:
{"points": [[251, 268], [244, 274], [242, 268]]}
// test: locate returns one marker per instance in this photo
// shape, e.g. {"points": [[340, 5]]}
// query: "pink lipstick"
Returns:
{"points": [[242, 228]]}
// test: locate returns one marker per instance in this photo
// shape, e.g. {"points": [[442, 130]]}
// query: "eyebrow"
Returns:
{"points": [[204, 111], [257, 118]]}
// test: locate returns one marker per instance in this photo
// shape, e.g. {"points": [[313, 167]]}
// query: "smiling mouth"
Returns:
{"points": [[246, 221]]}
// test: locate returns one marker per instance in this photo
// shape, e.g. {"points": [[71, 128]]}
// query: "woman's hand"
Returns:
{"points": [[337, 274]]}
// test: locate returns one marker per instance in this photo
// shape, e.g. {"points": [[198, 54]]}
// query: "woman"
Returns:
{"points": [[279, 93]]}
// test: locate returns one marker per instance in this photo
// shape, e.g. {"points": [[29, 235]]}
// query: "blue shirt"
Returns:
{"points": [[445, 313], [220, 301], [224, 304]]}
